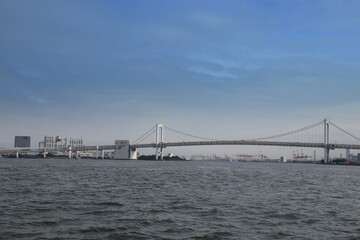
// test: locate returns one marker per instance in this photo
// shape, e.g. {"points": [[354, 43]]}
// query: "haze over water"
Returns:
{"points": [[94, 199]]}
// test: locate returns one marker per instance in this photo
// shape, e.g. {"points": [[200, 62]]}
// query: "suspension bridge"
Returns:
{"points": [[323, 134], [316, 135]]}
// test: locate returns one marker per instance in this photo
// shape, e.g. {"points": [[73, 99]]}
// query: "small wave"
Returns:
{"points": [[52, 223], [164, 221], [111, 204], [44, 223], [130, 235], [42, 209], [287, 216], [96, 212], [215, 235], [98, 230], [282, 235]]}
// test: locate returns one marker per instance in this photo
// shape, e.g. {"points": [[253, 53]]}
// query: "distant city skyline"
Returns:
{"points": [[107, 70]]}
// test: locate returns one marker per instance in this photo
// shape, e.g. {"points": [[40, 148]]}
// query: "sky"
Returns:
{"points": [[225, 69]]}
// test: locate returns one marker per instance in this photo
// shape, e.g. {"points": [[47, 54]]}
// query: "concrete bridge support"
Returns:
{"points": [[326, 155], [161, 154], [133, 154], [70, 152], [17, 154]]}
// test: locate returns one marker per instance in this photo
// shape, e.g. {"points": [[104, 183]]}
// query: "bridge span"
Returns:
{"points": [[247, 142]]}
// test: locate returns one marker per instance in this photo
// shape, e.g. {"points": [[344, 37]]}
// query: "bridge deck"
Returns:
{"points": [[248, 142], [183, 144]]}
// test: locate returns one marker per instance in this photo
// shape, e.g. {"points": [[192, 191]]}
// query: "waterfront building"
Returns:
{"points": [[347, 152], [54, 142], [76, 142], [22, 141], [124, 152]]}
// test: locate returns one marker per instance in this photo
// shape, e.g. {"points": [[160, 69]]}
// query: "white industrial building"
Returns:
{"points": [[54, 142], [124, 152]]}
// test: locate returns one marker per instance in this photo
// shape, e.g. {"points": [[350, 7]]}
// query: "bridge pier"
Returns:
{"points": [[17, 154], [70, 153], [133, 154], [102, 154], [326, 155], [161, 154], [97, 152], [44, 154]]}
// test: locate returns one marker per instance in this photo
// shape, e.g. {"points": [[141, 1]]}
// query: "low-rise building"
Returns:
{"points": [[123, 151], [55, 142], [22, 141]]}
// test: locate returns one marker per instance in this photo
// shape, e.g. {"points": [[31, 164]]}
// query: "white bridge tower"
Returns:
{"points": [[159, 140], [326, 141]]}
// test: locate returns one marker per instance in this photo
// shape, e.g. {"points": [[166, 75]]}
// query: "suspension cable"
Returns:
{"points": [[153, 129], [146, 137], [344, 131], [142, 136], [190, 135], [291, 132]]}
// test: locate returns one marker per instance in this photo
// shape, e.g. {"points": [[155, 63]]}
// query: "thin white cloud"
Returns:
{"points": [[220, 76], [210, 20]]}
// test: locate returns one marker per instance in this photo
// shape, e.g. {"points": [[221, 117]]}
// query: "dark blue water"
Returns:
{"points": [[95, 199]]}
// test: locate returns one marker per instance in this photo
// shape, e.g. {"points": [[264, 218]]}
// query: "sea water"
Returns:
{"points": [[108, 199]]}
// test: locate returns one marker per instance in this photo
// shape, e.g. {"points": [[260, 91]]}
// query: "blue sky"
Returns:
{"points": [[108, 70]]}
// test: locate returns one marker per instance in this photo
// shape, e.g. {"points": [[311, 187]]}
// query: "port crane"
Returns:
{"points": [[300, 156]]}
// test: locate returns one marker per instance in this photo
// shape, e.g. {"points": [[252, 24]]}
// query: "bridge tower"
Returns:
{"points": [[159, 139], [326, 140]]}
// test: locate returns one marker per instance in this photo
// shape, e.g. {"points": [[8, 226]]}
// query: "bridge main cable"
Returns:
{"points": [[344, 131], [190, 135], [145, 135], [291, 132]]}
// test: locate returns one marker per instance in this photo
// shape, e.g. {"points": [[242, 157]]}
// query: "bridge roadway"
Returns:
{"points": [[183, 144], [248, 142]]}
